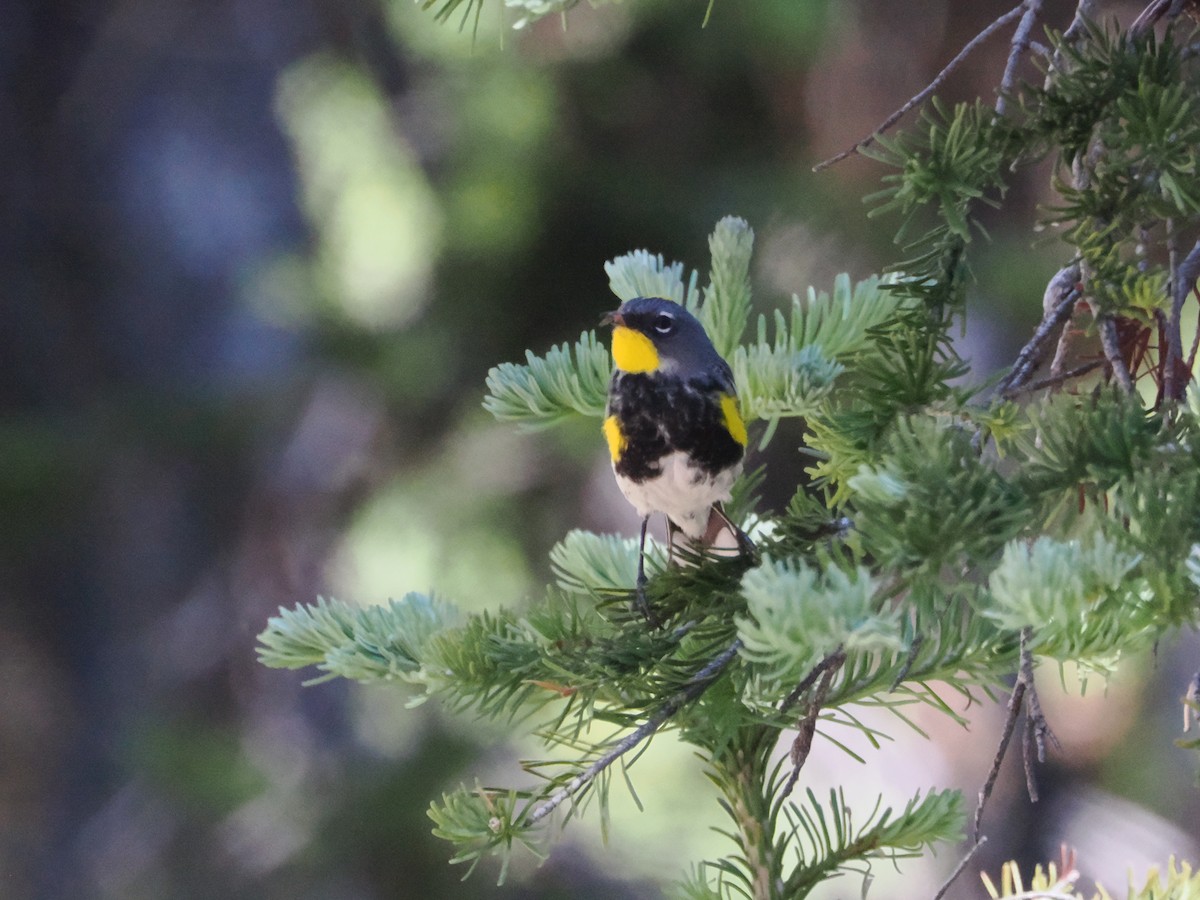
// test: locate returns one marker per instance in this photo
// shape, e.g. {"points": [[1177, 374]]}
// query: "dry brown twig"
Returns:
{"points": [[1037, 731], [808, 726]]}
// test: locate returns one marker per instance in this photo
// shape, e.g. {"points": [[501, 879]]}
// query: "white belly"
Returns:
{"points": [[682, 492]]}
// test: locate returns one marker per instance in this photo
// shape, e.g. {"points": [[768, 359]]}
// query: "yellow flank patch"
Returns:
{"points": [[616, 440], [633, 351], [733, 419]]}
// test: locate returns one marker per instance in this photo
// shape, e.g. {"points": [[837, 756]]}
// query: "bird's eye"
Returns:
{"points": [[663, 323]]}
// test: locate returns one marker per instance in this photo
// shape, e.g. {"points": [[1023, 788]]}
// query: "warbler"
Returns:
{"points": [[674, 431]]}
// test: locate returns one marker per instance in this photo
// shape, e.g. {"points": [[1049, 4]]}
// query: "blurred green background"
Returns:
{"points": [[257, 258]]}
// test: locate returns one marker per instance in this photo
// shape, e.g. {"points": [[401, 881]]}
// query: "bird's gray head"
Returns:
{"points": [[651, 334]]}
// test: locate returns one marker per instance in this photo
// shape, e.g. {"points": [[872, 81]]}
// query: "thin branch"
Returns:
{"points": [[924, 94], [1085, 11], [1172, 359], [958, 870], [914, 648], [1036, 732], [807, 728], [1037, 729], [699, 683], [1154, 11], [834, 658], [1059, 360], [1010, 722], [1059, 303], [1060, 378], [1020, 44], [1112, 352]]}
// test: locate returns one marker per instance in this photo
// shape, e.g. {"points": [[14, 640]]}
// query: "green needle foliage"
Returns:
{"points": [[944, 527]]}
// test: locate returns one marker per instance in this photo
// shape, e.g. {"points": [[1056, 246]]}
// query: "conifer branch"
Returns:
{"points": [[950, 558], [928, 91], [836, 842], [697, 685], [726, 306]]}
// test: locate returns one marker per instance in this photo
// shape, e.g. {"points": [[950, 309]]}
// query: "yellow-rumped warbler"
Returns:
{"points": [[674, 432]]}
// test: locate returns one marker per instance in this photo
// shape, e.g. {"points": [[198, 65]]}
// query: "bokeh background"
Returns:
{"points": [[256, 259]]}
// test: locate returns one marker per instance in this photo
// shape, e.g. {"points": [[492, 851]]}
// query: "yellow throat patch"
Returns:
{"points": [[633, 351]]}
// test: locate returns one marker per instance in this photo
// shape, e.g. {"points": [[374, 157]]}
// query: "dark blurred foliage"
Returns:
{"points": [[203, 390]]}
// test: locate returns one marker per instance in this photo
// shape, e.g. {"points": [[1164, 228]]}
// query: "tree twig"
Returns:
{"points": [[1020, 43], [833, 658], [1156, 10], [697, 685], [1010, 722], [1112, 352], [1036, 732], [807, 728], [1037, 729], [1085, 11], [925, 93], [1059, 303], [914, 648], [958, 870], [1060, 378]]}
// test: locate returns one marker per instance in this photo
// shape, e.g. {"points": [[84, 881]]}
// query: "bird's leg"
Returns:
{"points": [[642, 606]]}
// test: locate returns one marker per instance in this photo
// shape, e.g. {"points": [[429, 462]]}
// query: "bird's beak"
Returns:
{"points": [[612, 318]]}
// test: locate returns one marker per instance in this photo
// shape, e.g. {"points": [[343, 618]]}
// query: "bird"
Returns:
{"points": [[675, 434]]}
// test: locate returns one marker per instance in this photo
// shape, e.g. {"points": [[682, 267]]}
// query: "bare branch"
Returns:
{"points": [[1156, 10], [1036, 730], [699, 683], [1112, 352], [1085, 11], [1020, 44], [924, 94], [1013, 710], [833, 659], [1059, 303], [958, 870], [1060, 378], [808, 725]]}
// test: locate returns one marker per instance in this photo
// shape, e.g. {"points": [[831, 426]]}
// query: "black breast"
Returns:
{"points": [[658, 415]]}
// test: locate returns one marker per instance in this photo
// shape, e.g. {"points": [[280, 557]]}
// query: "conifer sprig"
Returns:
{"points": [[942, 537]]}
